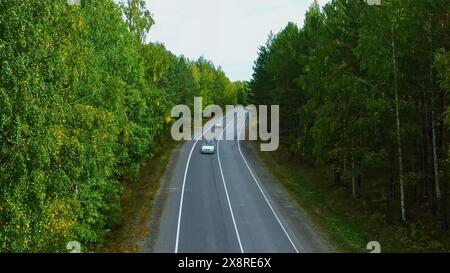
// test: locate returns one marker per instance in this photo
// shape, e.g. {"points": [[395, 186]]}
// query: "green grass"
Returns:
{"points": [[349, 224]]}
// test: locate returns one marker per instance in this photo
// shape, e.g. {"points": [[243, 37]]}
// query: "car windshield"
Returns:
{"points": [[208, 143]]}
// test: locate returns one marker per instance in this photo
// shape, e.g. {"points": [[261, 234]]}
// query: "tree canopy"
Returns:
{"points": [[84, 102], [364, 95]]}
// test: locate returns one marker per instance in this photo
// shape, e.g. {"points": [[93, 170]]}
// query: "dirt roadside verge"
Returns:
{"points": [[137, 204]]}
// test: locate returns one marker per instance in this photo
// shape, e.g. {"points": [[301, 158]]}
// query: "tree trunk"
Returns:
{"points": [[337, 174], [435, 156], [425, 154], [399, 138], [353, 178], [359, 192], [433, 122], [445, 207], [337, 177]]}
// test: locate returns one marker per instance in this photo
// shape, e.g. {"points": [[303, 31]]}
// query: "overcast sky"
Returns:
{"points": [[228, 32]]}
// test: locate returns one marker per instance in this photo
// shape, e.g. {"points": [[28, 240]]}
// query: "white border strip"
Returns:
{"points": [[225, 186]]}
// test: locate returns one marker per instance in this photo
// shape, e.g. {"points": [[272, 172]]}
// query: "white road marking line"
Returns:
{"points": [[225, 186], [184, 185], [262, 192]]}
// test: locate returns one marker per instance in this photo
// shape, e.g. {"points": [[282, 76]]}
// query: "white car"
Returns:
{"points": [[208, 147]]}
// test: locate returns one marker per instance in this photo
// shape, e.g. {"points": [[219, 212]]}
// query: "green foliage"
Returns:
{"points": [[243, 93], [334, 79], [83, 105], [138, 18]]}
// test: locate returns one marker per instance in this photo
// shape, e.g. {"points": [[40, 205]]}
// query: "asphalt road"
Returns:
{"points": [[227, 202]]}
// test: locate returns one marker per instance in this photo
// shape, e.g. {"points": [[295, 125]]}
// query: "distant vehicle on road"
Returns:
{"points": [[208, 147]]}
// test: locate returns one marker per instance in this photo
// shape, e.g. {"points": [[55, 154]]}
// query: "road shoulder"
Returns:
{"points": [[308, 236], [138, 204]]}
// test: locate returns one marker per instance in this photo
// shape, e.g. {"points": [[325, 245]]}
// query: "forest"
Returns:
{"points": [[364, 97], [84, 102]]}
